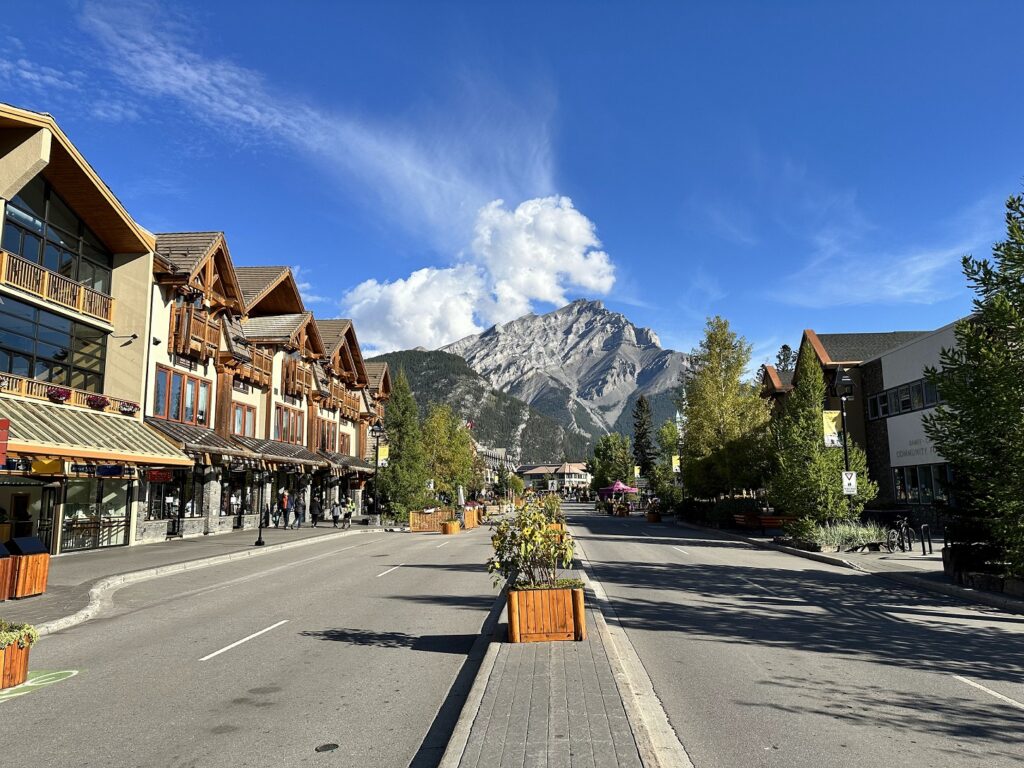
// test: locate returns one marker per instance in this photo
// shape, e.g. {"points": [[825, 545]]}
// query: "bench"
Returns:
{"points": [[762, 522]]}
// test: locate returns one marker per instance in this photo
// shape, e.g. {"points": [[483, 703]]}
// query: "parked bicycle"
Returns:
{"points": [[902, 537]]}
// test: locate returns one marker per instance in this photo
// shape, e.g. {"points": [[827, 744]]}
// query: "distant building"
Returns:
{"points": [[566, 476], [494, 459]]}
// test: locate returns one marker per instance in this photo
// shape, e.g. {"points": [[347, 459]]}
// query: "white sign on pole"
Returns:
{"points": [[850, 483], [552, 485]]}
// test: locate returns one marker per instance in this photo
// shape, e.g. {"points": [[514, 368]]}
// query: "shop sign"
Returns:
{"points": [[5, 433], [18, 465], [83, 469], [159, 475], [110, 470], [48, 467]]}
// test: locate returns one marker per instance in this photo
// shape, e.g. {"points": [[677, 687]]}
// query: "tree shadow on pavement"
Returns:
{"points": [[457, 644]]}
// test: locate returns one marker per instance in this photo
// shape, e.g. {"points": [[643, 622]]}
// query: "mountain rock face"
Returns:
{"points": [[499, 420], [582, 365]]}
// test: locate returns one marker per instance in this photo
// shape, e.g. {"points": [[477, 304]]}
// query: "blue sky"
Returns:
{"points": [[431, 168]]}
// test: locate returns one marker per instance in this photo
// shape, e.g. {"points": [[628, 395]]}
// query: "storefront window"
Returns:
{"points": [[95, 513]]}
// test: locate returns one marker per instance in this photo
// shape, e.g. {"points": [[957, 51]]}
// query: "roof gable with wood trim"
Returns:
{"points": [[269, 290], [74, 179], [200, 261]]}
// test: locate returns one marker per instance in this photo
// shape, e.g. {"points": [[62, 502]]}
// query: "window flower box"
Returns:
{"points": [[97, 402], [58, 394]]}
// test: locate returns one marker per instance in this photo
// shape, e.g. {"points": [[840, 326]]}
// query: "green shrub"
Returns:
{"points": [[24, 635], [722, 513], [527, 552]]}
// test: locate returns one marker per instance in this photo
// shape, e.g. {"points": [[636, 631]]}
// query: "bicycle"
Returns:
{"points": [[902, 537]]}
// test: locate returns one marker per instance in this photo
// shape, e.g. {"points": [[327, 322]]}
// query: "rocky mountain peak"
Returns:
{"points": [[581, 364]]}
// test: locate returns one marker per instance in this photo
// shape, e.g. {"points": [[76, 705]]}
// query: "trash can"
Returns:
{"points": [[6, 574], [31, 565]]}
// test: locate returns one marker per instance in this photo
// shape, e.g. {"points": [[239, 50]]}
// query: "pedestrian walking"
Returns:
{"points": [[315, 511], [285, 507], [335, 513], [300, 510]]}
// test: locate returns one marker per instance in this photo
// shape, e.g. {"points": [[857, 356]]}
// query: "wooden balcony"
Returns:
{"points": [[260, 371], [193, 333], [79, 398], [297, 378], [54, 287]]}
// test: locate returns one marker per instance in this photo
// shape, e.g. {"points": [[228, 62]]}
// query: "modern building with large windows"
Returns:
{"points": [[74, 327]]}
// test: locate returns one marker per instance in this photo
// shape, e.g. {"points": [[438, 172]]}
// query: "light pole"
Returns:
{"points": [[259, 538], [378, 432], [844, 390]]}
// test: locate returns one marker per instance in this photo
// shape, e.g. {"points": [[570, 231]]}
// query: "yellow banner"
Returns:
{"points": [[384, 453], [833, 426], [636, 470], [675, 463]]}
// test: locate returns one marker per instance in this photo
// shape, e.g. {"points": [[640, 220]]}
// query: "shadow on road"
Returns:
{"points": [[458, 644]]}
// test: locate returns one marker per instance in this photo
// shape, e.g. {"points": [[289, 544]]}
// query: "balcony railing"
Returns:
{"points": [[54, 287], [297, 377], [193, 332], [260, 371], [46, 390]]}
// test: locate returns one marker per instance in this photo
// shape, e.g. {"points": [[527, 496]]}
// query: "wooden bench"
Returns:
{"points": [[762, 522]]}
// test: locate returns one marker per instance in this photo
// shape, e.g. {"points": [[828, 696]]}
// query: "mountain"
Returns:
{"points": [[499, 420], [582, 366]]}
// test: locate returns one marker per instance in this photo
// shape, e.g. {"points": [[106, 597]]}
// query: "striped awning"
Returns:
{"points": [[276, 452], [344, 461], [39, 428], [199, 442]]}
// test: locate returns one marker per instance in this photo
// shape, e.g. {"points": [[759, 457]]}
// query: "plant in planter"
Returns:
{"points": [[58, 394], [15, 642], [528, 554], [552, 507], [97, 402], [127, 408]]}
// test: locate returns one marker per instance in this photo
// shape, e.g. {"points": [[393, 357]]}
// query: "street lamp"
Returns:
{"points": [[843, 385], [377, 430], [261, 479]]}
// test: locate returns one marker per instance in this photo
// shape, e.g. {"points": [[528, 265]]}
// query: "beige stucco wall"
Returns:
{"points": [[24, 152], [124, 374]]}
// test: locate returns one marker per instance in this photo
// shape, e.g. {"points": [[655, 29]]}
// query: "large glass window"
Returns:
{"points": [[180, 397], [288, 425], [40, 227], [50, 347]]}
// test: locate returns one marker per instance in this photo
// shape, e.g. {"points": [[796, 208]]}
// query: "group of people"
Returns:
{"points": [[293, 513]]}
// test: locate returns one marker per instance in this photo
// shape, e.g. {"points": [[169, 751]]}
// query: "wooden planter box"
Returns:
{"points": [[538, 615], [421, 522], [6, 578], [449, 527], [470, 516], [13, 666], [654, 517], [30, 574]]}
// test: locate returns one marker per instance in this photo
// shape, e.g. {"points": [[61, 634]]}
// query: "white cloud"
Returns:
{"points": [[535, 253], [429, 308], [431, 170], [305, 286]]}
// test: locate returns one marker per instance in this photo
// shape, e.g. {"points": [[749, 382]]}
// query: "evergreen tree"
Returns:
{"points": [[403, 482], [979, 427], [785, 360], [807, 479], [725, 416], [612, 460], [643, 444]]}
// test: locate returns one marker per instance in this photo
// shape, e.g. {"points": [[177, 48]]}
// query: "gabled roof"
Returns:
{"points": [[189, 252], [378, 377], [333, 333], [283, 329], [271, 290], [340, 334], [234, 338], [774, 381], [79, 184], [852, 348], [185, 250]]}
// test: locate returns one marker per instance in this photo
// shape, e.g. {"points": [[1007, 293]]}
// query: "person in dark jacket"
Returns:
{"points": [[314, 511], [300, 510]]}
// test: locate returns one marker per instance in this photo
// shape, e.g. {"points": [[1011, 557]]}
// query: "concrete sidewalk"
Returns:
{"points": [[551, 705], [911, 569], [73, 576]]}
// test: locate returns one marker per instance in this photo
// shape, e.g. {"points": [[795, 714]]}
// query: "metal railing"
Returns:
{"points": [[54, 287]]}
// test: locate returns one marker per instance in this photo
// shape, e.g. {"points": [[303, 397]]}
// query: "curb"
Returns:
{"points": [[967, 595], [110, 584], [460, 733], [657, 742]]}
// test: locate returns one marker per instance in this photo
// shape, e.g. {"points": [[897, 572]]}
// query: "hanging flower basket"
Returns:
{"points": [[58, 394], [128, 409], [98, 402]]}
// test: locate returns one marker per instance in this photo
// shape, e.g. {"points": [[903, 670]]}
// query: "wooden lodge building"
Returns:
{"points": [[152, 388]]}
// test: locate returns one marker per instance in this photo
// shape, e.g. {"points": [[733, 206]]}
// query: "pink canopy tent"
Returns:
{"points": [[617, 487]]}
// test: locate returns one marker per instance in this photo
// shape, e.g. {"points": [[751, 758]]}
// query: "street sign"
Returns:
{"points": [[850, 483], [552, 485]]}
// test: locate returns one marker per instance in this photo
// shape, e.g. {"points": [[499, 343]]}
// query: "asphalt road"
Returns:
{"points": [[765, 659], [364, 638]]}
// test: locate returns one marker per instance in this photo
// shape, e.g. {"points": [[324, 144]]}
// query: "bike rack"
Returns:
{"points": [[926, 531]]}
